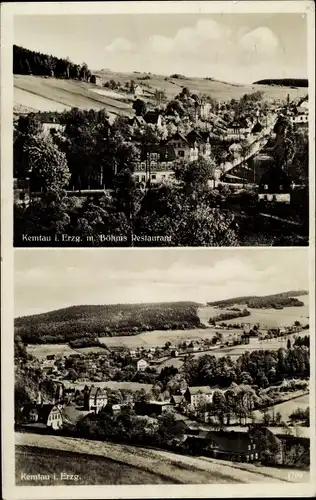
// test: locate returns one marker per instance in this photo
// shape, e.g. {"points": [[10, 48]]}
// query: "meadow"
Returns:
{"points": [[101, 470], [168, 467]]}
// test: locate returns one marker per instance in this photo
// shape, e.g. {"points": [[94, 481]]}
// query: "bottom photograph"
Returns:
{"points": [[153, 366]]}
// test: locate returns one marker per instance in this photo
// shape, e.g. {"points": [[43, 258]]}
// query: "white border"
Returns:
{"points": [[8, 10]]}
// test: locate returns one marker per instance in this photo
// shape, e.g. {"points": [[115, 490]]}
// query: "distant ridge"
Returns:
{"points": [[75, 322], [274, 301], [284, 82]]}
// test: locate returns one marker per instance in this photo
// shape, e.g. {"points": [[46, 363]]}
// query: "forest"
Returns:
{"points": [[287, 82], [77, 322], [275, 301], [29, 62]]}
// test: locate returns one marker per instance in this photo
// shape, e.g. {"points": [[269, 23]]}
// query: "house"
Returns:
{"points": [[132, 353], [238, 129], [138, 91], [47, 414], [239, 446], [152, 407], [182, 148], [94, 399], [141, 365], [275, 185], [155, 164], [174, 353], [97, 80], [300, 116], [196, 395], [200, 140]]}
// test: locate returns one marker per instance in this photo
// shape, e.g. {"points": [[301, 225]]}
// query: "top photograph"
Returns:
{"points": [[161, 130]]}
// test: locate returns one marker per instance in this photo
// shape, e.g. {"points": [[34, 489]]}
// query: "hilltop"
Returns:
{"points": [[68, 324], [286, 82], [275, 301]]}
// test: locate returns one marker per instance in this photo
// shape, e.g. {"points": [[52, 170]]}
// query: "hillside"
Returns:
{"points": [[275, 301], [52, 94], [106, 321]]}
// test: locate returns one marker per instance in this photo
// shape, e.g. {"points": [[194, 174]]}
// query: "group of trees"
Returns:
{"points": [[30, 62], [260, 368], [229, 315], [128, 427]]}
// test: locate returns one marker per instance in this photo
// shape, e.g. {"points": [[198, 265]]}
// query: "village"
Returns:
{"points": [[148, 381]]}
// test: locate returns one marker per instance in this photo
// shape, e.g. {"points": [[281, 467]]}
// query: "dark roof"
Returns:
{"points": [[240, 123], [177, 398], [177, 137], [44, 411], [275, 176], [152, 116], [257, 128]]}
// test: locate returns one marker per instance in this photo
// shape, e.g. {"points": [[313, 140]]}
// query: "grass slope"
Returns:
{"points": [[179, 468], [66, 93], [108, 320]]}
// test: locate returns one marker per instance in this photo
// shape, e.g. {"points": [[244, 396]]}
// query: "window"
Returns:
{"points": [[22, 196], [256, 456], [266, 187], [249, 447], [153, 164], [143, 178], [153, 176], [143, 165], [254, 446], [281, 187], [181, 153], [251, 456]]}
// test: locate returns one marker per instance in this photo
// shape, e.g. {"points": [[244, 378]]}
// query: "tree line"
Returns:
{"points": [[30, 62]]}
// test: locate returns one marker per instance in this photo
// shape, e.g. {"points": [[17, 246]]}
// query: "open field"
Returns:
{"points": [[268, 318], [173, 468], [287, 407], [51, 94]]}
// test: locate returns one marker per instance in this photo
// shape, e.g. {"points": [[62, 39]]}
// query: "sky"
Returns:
{"points": [[238, 48], [50, 279]]}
